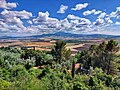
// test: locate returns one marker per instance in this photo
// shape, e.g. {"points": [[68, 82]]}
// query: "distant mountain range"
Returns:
{"points": [[70, 35], [65, 35]]}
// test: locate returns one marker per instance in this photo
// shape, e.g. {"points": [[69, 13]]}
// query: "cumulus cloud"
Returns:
{"points": [[20, 14], [70, 23], [62, 9], [88, 12], [11, 21], [65, 23], [84, 21], [99, 21], [102, 15], [77, 22], [97, 12], [45, 20], [3, 26], [94, 12], [12, 26], [5, 5], [42, 17], [103, 19], [116, 13], [14, 20], [108, 20], [80, 6], [22, 22], [70, 16]]}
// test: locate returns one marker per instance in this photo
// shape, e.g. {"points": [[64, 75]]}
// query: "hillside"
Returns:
{"points": [[70, 35]]}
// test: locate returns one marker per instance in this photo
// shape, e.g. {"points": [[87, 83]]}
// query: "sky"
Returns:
{"points": [[36, 17]]}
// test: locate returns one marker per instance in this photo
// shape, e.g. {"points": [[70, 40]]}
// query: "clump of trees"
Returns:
{"points": [[99, 68], [102, 56]]}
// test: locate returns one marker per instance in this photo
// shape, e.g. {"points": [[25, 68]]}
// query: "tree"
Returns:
{"points": [[105, 57], [102, 56], [28, 54], [40, 58], [60, 53], [111, 49]]}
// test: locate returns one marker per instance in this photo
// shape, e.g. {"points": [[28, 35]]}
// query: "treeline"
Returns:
{"points": [[97, 68]]}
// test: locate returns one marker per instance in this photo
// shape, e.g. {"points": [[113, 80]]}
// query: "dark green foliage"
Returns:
{"points": [[44, 72], [28, 65], [27, 54], [60, 53], [79, 86], [116, 83], [1, 61], [73, 69], [102, 56], [19, 69], [91, 82], [111, 49], [38, 60]]}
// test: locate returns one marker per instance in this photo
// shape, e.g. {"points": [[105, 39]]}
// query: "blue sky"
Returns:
{"points": [[33, 17]]}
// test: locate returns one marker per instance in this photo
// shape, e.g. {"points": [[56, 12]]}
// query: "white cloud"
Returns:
{"points": [[88, 12], [97, 12], [14, 20], [30, 22], [42, 17], [45, 20], [99, 21], [65, 23], [113, 14], [85, 21], [79, 20], [22, 22], [32, 29], [116, 13], [117, 23], [5, 5], [70, 16], [93, 11], [3, 26], [49, 24], [102, 15], [62, 9], [11, 21], [75, 20], [12, 26], [20, 14], [108, 20], [80, 6], [77, 23]]}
